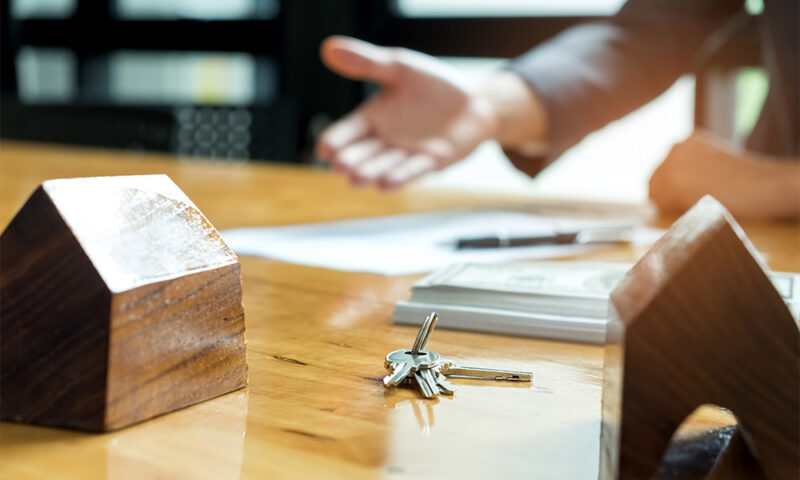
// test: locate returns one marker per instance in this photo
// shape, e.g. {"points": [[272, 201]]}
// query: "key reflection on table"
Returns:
{"points": [[422, 408]]}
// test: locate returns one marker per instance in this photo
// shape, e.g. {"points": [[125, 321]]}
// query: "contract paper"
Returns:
{"points": [[413, 243]]}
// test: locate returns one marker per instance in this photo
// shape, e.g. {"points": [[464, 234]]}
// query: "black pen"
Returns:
{"points": [[588, 235]]}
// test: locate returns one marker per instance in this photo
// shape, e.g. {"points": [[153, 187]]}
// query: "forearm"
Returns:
{"points": [[592, 74], [520, 121]]}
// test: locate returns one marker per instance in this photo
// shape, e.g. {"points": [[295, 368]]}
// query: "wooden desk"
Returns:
{"points": [[315, 406]]}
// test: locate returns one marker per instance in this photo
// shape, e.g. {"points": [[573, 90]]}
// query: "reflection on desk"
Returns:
{"points": [[170, 448]]}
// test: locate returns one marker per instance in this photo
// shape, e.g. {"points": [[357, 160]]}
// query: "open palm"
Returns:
{"points": [[422, 119]]}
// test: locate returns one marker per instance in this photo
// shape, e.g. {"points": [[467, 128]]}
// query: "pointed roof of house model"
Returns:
{"points": [[128, 225]]}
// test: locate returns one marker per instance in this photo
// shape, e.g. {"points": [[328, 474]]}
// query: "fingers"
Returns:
{"points": [[414, 167], [357, 59], [351, 157], [368, 162], [372, 170], [342, 133]]}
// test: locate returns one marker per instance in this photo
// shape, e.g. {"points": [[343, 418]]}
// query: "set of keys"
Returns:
{"points": [[430, 371]]}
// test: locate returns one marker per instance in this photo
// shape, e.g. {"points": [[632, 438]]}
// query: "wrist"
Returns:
{"points": [[486, 111], [519, 115]]}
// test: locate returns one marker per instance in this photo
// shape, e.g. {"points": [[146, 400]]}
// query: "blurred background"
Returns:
{"points": [[241, 80]]}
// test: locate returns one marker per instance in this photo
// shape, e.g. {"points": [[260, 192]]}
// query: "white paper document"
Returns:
{"points": [[412, 243]]}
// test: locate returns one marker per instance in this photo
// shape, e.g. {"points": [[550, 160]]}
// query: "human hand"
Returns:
{"points": [[422, 119], [749, 185]]}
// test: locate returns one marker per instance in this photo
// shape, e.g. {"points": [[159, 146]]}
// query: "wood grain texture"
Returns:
{"points": [[53, 323], [120, 303], [314, 406], [175, 343], [700, 322]]}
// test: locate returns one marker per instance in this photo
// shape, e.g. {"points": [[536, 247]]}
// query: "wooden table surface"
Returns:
{"points": [[315, 406]]}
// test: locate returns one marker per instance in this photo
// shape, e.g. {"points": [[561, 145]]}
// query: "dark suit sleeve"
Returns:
{"points": [[595, 73]]}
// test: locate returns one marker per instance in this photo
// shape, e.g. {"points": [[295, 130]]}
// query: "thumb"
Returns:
{"points": [[357, 59]]}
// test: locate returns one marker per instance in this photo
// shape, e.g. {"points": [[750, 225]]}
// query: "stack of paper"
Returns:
{"points": [[558, 300]]}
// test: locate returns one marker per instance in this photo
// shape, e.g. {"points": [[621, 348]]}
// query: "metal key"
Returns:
{"points": [[404, 363], [452, 370], [445, 387], [430, 377], [399, 373], [429, 390], [424, 333], [427, 369]]}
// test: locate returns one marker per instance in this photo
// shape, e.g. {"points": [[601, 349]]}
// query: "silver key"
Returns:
{"points": [[424, 333], [452, 370], [445, 387], [403, 363], [399, 373], [427, 369], [430, 378], [424, 359], [428, 390]]}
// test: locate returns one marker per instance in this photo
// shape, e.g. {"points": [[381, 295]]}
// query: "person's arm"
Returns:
{"points": [[592, 74], [751, 185], [424, 117]]}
